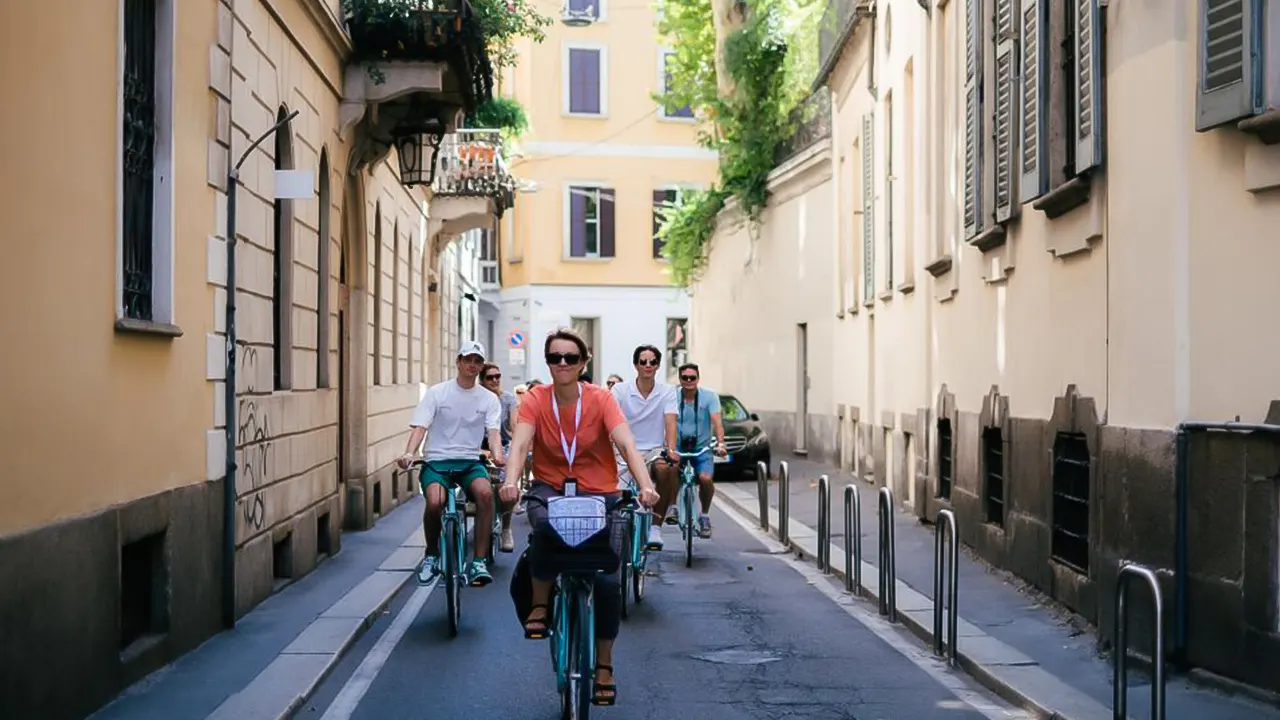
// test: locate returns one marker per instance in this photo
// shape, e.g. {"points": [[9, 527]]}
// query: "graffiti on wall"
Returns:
{"points": [[254, 439]]}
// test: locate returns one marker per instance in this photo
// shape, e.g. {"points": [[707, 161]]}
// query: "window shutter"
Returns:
{"points": [[973, 120], [1229, 62], [868, 207], [591, 82], [659, 197], [1006, 121], [1088, 125], [1035, 44], [577, 222], [606, 213]]}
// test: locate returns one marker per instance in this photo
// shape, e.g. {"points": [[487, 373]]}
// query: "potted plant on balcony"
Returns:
{"points": [[500, 113]]}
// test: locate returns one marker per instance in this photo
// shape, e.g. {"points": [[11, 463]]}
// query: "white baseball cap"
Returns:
{"points": [[471, 347]]}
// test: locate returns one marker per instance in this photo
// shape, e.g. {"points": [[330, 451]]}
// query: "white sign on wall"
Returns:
{"points": [[516, 358]]}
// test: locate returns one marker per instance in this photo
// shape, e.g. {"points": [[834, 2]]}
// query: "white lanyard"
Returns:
{"points": [[570, 451]]}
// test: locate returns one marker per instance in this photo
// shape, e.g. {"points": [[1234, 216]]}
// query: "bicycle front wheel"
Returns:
{"points": [[452, 575], [690, 525], [628, 564]]}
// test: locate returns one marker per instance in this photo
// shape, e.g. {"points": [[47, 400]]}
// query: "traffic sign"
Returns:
{"points": [[516, 339]]}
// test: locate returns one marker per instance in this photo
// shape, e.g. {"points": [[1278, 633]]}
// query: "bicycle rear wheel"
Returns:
{"points": [[628, 566], [638, 569]]}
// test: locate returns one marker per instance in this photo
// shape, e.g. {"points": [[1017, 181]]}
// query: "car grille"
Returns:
{"points": [[735, 443]]}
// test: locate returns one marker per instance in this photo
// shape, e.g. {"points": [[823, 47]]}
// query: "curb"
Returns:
{"points": [[289, 681], [983, 674]]}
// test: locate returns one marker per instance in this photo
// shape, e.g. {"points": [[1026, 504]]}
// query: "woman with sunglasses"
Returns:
{"points": [[572, 427]]}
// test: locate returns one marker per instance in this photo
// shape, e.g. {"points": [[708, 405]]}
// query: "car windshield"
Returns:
{"points": [[731, 409]]}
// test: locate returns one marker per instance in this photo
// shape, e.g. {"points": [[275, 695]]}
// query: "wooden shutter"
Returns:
{"points": [[1035, 63], [659, 198], [1088, 124], [973, 120], [605, 214], [578, 221], [1007, 177], [868, 208], [584, 80], [1229, 62]]}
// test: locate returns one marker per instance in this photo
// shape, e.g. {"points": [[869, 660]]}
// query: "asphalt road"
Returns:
{"points": [[745, 633]]}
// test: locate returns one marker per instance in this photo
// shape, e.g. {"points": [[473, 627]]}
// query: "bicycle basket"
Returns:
{"points": [[579, 535], [577, 519]]}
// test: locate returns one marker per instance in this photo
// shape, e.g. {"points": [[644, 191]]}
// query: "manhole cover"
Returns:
{"points": [[738, 657]]}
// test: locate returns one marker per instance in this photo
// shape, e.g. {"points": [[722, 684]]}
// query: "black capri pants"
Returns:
{"points": [[543, 565]]}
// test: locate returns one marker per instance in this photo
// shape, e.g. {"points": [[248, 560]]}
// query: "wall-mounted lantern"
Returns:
{"points": [[418, 146]]}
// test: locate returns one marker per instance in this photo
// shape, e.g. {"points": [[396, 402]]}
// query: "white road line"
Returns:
{"points": [[887, 632], [348, 699]]}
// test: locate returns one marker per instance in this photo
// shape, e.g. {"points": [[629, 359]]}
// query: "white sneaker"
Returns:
{"points": [[655, 538]]}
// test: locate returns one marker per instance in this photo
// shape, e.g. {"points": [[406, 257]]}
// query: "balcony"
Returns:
{"points": [[472, 185], [838, 22], [812, 122]]}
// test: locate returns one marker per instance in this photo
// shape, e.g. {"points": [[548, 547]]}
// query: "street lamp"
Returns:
{"points": [[290, 184], [418, 146]]}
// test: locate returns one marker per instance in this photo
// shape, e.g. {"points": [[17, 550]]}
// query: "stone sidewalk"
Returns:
{"points": [[1010, 637], [280, 651]]}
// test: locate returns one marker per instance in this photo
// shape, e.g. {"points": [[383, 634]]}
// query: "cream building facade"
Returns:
{"points": [[578, 248], [1022, 267], [114, 561]]}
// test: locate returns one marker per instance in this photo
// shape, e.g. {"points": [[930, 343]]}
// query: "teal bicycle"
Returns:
{"points": [[635, 546], [571, 623], [453, 544], [687, 501]]}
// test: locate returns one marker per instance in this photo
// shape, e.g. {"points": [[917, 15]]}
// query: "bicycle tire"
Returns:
{"points": [[637, 573], [569, 693], [628, 567], [586, 655], [450, 577], [689, 510]]}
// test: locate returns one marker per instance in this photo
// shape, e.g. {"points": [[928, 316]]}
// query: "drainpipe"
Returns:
{"points": [[1182, 477], [229, 396]]}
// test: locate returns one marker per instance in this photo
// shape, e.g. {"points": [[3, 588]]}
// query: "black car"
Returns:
{"points": [[745, 439]]}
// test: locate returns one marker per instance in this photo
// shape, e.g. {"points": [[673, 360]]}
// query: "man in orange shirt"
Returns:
{"points": [[572, 427]]}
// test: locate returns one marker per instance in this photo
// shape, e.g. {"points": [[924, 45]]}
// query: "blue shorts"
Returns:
{"points": [[704, 464]]}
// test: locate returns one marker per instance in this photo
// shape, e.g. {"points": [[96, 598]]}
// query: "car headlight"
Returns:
{"points": [[757, 439]]}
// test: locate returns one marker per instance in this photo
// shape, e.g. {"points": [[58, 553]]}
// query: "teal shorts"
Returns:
{"points": [[448, 472]]}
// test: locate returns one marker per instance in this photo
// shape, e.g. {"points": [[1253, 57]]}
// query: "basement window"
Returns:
{"points": [[993, 471], [1071, 465], [282, 559], [144, 592], [324, 541], [946, 459]]}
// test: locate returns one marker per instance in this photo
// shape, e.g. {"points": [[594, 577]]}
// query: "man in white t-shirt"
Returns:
{"points": [[644, 403], [459, 413]]}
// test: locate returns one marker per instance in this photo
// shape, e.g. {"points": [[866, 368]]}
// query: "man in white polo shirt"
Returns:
{"points": [[644, 403]]}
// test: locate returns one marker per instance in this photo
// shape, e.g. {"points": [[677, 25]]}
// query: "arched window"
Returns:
{"points": [[325, 251], [377, 293], [396, 349], [282, 270]]}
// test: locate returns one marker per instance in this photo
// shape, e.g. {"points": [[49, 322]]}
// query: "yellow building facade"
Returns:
{"points": [[1022, 268], [112, 542], [578, 248]]}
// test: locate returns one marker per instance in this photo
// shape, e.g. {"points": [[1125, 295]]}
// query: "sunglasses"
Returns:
{"points": [[688, 378], [492, 378], [648, 363], [563, 358]]}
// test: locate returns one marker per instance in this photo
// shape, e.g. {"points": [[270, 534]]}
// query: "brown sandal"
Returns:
{"points": [[610, 688], [537, 628]]}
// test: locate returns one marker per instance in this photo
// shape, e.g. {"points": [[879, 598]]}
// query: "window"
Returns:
{"points": [[888, 187], [1071, 465], [1236, 81], [993, 472], [324, 251], [1049, 137], [587, 330], [868, 209], [395, 303], [145, 276], [664, 72], [732, 410], [662, 199], [585, 81], [591, 224], [946, 459], [377, 293], [584, 8], [489, 258], [282, 265], [677, 346]]}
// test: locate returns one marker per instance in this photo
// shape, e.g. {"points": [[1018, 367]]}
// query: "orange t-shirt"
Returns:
{"points": [[594, 466]]}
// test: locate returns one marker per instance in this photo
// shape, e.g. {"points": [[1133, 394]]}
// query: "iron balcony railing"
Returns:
{"points": [[812, 122], [836, 21], [471, 164]]}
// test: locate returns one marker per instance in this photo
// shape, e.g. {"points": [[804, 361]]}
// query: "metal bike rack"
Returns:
{"points": [[888, 557], [852, 540], [946, 520], [762, 489], [1120, 641], [824, 524], [784, 500]]}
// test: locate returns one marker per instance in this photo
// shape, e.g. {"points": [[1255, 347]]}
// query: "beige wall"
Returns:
{"points": [[1148, 297], [94, 417]]}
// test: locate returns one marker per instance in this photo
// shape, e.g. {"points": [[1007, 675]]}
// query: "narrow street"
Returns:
{"points": [[747, 632]]}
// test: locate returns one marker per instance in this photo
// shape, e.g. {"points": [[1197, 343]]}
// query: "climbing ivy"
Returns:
{"points": [[745, 125]]}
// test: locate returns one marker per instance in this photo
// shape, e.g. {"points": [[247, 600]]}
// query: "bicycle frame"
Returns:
{"points": [[687, 500]]}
